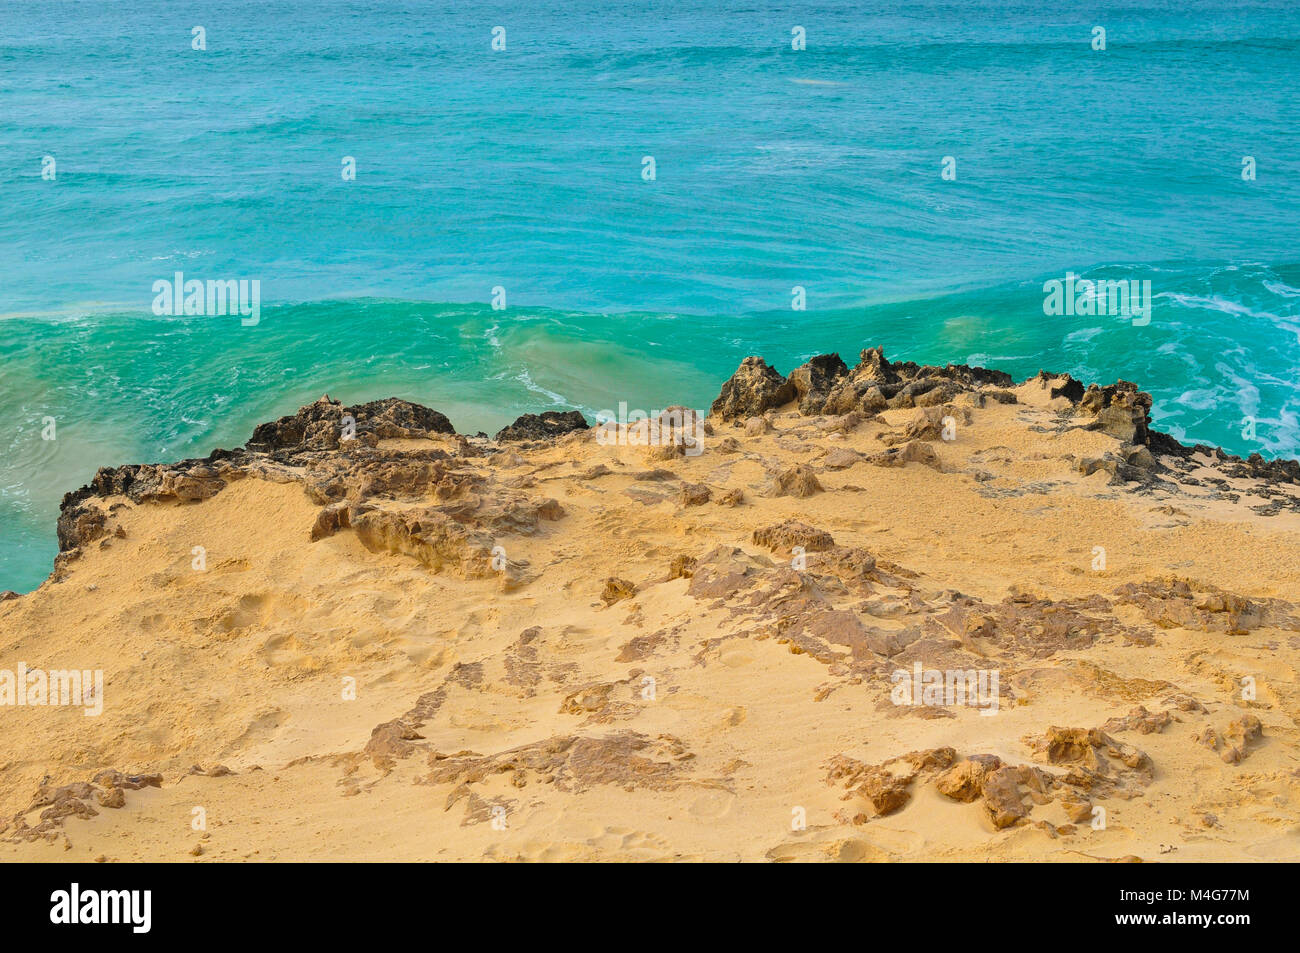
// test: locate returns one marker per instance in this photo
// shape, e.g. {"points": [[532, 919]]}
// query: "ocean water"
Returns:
{"points": [[523, 169]]}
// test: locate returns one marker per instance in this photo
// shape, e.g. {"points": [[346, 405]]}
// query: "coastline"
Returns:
{"points": [[836, 526], [1218, 359]]}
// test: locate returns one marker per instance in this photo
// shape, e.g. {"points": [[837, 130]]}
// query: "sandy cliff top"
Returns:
{"points": [[564, 643]]}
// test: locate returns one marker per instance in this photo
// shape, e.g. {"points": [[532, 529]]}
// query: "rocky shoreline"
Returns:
{"points": [[334, 467], [681, 631]]}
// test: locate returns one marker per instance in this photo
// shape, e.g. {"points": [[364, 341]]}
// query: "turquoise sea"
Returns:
{"points": [[522, 168]]}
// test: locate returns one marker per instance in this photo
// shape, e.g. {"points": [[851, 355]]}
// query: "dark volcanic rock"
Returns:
{"points": [[754, 388], [1070, 389], [320, 426], [551, 423]]}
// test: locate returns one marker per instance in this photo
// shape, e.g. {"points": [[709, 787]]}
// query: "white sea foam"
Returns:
{"points": [[1278, 288], [1219, 303], [524, 378]]}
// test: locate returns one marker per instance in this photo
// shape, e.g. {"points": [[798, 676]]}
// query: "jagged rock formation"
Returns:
{"points": [[754, 388], [826, 386]]}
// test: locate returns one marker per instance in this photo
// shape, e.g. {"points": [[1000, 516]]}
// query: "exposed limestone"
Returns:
{"points": [[1141, 720], [1173, 602], [886, 786], [627, 759], [57, 803], [754, 388], [784, 536], [617, 589], [914, 451], [841, 458], [964, 781], [797, 480], [429, 536], [695, 494], [813, 382], [1239, 737]]}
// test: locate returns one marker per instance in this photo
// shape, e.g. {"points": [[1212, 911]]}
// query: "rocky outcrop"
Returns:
{"points": [[543, 426], [57, 803], [797, 480], [334, 452], [429, 536], [814, 381], [1120, 410], [324, 425], [753, 389], [826, 386], [1182, 603], [783, 537]]}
